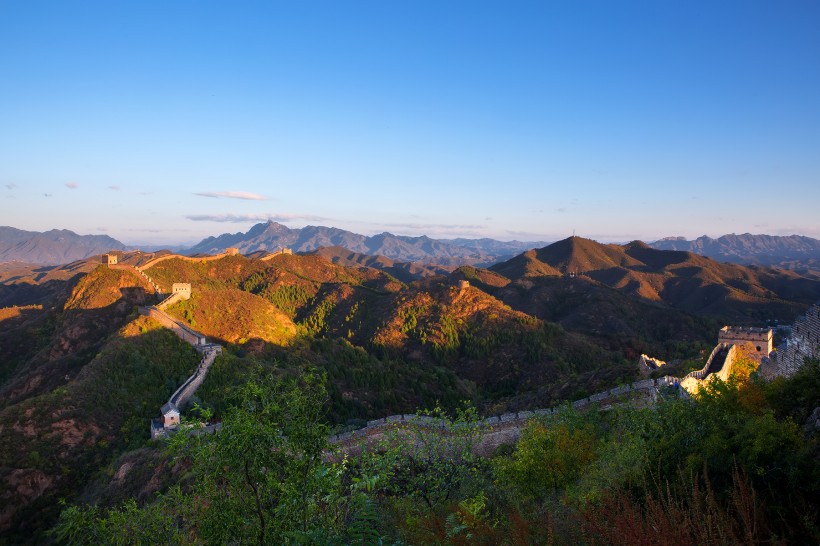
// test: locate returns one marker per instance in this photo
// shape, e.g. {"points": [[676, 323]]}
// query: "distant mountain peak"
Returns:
{"points": [[53, 247], [270, 235]]}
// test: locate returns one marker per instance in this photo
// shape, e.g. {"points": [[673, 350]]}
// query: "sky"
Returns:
{"points": [[166, 122]]}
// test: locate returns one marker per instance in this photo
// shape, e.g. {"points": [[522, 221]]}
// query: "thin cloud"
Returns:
{"points": [[248, 196], [46, 195], [158, 230], [244, 218], [71, 185], [114, 187], [11, 186], [411, 225], [530, 236]]}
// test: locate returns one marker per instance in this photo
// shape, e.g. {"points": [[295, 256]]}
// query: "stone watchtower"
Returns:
{"points": [[759, 338], [231, 251], [170, 415], [183, 289], [110, 259]]}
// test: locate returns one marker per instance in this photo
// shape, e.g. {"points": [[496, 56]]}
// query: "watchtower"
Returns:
{"points": [[231, 251], [170, 415], [760, 338], [183, 289], [110, 259]]}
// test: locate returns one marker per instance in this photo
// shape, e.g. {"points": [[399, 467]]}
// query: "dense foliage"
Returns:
{"points": [[731, 466]]}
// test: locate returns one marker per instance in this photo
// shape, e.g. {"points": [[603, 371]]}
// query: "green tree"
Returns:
{"points": [[549, 456]]}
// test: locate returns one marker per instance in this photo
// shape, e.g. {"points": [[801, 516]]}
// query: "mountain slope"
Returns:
{"points": [[58, 246], [404, 271]]}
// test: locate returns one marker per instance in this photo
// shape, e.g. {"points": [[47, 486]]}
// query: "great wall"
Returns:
{"points": [[804, 342], [505, 429]]}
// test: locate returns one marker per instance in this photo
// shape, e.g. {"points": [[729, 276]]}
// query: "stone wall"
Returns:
{"points": [[276, 253], [155, 261], [647, 364], [804, 342], [500, 429], [182, 331], [694, 380], [139, 273], [187, 389], [170, 300]]}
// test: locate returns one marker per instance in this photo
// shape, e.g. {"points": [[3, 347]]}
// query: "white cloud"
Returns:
{"points": [[248, 196], [71, 185], [114, 187]]}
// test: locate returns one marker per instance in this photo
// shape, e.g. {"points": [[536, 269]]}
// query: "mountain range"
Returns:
{"points": [[271, 236], [747, 248], [796, 252]]}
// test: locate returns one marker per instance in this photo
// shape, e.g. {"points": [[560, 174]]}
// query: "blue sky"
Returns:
{"points": [[166, 122]]}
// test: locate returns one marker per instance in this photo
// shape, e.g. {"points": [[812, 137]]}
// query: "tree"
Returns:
{"points": [[549, 456]]}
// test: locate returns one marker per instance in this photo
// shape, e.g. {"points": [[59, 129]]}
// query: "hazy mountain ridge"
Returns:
{"points": [[57, 246], [749, 249], [271, 236]]}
